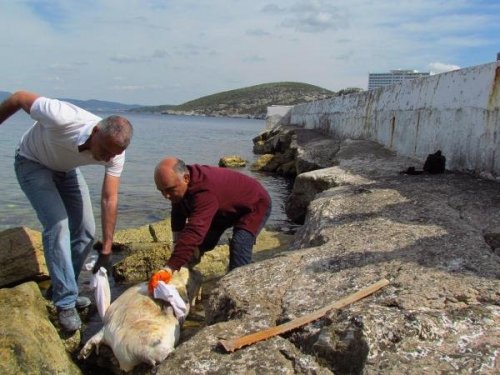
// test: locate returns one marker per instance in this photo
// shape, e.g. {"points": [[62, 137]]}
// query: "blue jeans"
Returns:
{"points": [[62, 203], [241, 244]]}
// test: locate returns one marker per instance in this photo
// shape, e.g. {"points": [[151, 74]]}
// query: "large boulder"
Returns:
{"points": [[319, 153], [232, 161], [140, 261], [426, 234], [276, 140], [283, 164], [275, 356], [358, 162], [155, 232], [21, 256], [292, 150], [29, 342]]}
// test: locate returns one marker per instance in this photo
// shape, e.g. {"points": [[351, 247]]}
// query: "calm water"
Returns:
{"points": [[193, 139]]}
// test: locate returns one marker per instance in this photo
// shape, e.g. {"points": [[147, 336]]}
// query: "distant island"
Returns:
{"points": [[250, 102], [92, 105], [247, 102]]}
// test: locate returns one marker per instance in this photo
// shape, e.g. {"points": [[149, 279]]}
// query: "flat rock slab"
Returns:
{"points": [[21, 256], [425, 233]]}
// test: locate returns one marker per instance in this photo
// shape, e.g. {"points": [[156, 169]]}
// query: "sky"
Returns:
{"points": [[153, 52]]}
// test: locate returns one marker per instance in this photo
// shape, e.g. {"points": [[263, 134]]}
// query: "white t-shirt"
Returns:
{"points": [[54, 138]]}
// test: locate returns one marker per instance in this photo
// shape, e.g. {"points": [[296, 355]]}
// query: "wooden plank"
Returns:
{"points": [[231, 345]]}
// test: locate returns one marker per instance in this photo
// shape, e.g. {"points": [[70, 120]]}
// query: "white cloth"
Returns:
{"points": [[59, 129], [102, 292], [170, 294], [99, 283]]}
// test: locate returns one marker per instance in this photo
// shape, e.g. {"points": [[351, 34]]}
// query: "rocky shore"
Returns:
{"points": [[436, 238]]}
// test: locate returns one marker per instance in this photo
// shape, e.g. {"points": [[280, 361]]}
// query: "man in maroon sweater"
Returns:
{"points": [[205, 202]]}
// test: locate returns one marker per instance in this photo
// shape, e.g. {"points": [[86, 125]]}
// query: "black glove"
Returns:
{"points": [[104, 260]]}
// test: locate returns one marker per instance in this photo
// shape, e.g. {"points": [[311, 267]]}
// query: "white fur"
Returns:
{"points": [[137, 328]]}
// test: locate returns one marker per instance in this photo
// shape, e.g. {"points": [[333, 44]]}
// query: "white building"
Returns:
{"points": [[394, 76]]}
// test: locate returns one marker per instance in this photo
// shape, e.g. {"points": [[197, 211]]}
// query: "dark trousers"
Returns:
{"points": [[240, 245]]}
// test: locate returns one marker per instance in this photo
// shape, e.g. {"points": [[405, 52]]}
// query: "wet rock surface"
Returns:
{"points": [[21, 256], [435, 237], [29, 342], [232, 161]]}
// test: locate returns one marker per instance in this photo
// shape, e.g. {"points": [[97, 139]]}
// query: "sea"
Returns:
{"points": [[194, 139]]}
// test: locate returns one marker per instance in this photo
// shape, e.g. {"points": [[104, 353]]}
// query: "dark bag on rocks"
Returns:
{"points": [[435, 163]]}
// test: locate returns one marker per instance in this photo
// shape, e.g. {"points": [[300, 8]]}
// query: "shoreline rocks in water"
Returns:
{"points": [[434, 237], [21, 256], [232, 161]]}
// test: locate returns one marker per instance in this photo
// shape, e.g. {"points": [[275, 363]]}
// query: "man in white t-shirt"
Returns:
{"points": [[63, 138]]}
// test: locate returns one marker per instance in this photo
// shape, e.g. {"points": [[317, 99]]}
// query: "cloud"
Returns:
{"points": [[446, 23], [123, 59], [66, 67], [175, 51], [344, 57], [272, 8], [253, 59], [127, 59], [159, 54], [257, 32], [313, 17], [465, 41], [136, 87], [437, 67], [54, 79]]}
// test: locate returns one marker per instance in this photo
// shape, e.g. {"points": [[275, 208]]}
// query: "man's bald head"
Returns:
{"points": [[172, 178]]}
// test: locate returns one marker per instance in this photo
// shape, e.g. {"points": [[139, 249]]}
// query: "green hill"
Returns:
{"points": [[247, 102]]}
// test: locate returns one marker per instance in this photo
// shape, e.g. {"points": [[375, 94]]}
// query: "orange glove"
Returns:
{"points": [[164, 275]]}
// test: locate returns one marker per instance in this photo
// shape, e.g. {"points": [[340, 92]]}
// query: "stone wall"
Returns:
{"points": [[456, 112]]}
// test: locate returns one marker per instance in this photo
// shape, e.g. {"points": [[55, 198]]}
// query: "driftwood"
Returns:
{"points": [[231, 345]]}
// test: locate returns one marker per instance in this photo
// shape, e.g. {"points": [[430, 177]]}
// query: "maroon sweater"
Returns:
{"points": [[218, 197]]}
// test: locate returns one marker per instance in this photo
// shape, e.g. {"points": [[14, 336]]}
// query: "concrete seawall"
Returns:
{"points": [[456, 112]]}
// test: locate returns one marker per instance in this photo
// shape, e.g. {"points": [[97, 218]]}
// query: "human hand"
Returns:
{"points": [[164, 275], [104, 260]]}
